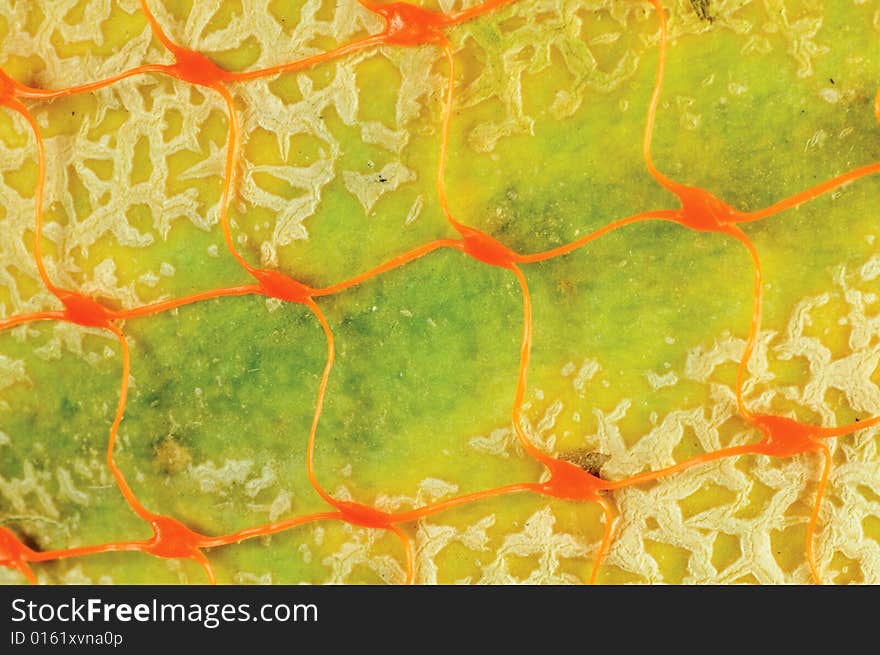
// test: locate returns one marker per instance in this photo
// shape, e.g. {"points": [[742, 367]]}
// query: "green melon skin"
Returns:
{"points": [[223, 392]]}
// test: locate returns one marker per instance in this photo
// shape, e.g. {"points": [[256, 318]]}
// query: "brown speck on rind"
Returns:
{"points": [[701, 8], [172, 456], [590, 461], [28, 539], [565, 286]]}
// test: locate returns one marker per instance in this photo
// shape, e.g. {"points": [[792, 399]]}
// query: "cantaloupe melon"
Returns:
{"points": [[637, 336]]}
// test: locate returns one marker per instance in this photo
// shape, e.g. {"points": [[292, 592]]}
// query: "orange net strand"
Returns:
{"points": [[407, 26]]}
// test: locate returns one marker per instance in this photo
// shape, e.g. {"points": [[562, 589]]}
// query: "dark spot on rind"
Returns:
{"points": [[27, 539], [590, 461], [565, 286], [68, 408], [701, 8], [172, 456]]}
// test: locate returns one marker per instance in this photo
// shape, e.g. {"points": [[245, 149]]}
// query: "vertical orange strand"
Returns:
{"points": [[877, 106], [522, 377], [156, 28], [27, 572], [231, 157], [38, 195], [408, 554], [655, 102], [605, 544], [319, 404], [121, 482], [814, 516], [203, 561], [755, 326], [445, 123]]}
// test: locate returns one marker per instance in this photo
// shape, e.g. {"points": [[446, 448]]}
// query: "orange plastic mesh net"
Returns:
{"points": [[407, 26]]}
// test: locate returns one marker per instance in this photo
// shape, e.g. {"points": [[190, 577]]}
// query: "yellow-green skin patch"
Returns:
{"points": [[223, 392]]}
